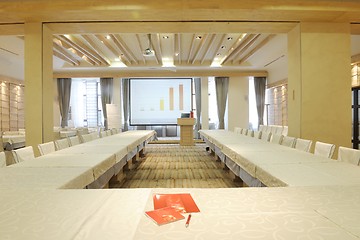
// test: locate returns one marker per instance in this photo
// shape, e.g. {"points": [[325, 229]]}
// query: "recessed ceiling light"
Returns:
{"points": [[198, 37], [223, 47], [165, 37], [177, 54], [218, 54], [108, 37], [117, 59], [229, 38]]}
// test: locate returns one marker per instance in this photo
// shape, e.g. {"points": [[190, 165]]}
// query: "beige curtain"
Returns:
{"points": [[222, 85], [260, 87], [106, 86], [64, 90]]}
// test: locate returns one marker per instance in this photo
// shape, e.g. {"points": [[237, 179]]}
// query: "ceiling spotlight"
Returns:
{"points": [[165, 37], [148, 52], [108, 37], [177, 54], [218, 54], [229, 38], [198, 37], [223, 47]]}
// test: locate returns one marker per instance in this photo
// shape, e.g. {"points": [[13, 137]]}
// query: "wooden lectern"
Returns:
{"points": [[186, 131]]}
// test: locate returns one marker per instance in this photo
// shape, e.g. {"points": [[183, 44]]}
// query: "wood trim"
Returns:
{"points": [[277, 83]]}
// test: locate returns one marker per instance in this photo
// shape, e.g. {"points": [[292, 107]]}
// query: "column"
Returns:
{"points": [[238, 103], [319, 83], [204, 103], [38, 85]]}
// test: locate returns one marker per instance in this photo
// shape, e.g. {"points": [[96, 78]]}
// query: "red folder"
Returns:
{"points": [[164, 215], [182, 202]]}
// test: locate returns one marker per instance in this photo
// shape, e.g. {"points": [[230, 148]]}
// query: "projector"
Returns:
{"points": [[149, 52]]}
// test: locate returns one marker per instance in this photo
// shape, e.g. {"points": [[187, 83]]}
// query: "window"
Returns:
{"points": [[85, 103], [213, 113]]}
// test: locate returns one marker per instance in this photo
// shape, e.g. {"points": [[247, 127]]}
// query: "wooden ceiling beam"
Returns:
{"points": [[66, 43], [191, 48], [91, 42], [140, 48], [90, 51], [85, 55], [105, 41], [200, 47], [211, 43], [123, 47], [260, 45], [64, 55], [244, 44]]}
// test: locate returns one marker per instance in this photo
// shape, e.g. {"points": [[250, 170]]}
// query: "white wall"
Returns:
{"points": [[204, 103]]}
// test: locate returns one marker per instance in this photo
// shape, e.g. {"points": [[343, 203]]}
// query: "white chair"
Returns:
{"points": [[103, 134], [46, 148], [257, 134], [86, 138], [349, 155], [244, 131], [74, 140], [114, 131], [288, 141], [94, 135], [285, 130], [262, 128], [265, 136], [237, 130], [324, 149], [61, 144], [278, 130], [303, 144], [23, 154], [250, 133], [2, 159], [276, 139], [108, 132]]}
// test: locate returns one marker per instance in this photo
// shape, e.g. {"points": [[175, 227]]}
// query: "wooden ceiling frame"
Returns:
{"points": [[67, 43], [123, 47], [64, 55], [95, 49], [200, 47], [256, 48]]}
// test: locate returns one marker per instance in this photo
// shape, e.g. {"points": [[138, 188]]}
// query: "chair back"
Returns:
{"points": [[262, 128], [61, 144], [23, 154], [46, 148], [2, 159], [94, 135], [303, 144], [108, 132], [349, 155], [114, 131], [276, 139], [265, 136], [324, 149], [257, 134], [244, 131], [250, 133], [74, 140], [86, 138], [288, 141], [237, 130], [103, 134]]}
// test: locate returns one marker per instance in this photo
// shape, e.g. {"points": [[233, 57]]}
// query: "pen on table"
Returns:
{"points": [[188, 220]]}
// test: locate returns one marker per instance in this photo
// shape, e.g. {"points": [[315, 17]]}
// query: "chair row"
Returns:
{"points": [[322, 149], [274, 129], [27, 153]]}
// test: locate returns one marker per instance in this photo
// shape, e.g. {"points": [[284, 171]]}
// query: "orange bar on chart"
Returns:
{"points": [[171, 99], [162, 107], [181, 97]]}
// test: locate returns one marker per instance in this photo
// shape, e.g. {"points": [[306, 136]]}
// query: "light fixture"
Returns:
{"points": [[198, 37], [165, 37], [108, 37], [149, 52], [223, 47], [229, 38]]}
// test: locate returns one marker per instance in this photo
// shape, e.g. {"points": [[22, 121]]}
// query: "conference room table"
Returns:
{"points": [[275, 165], [77, 166], [249, 213], [324, 210]]}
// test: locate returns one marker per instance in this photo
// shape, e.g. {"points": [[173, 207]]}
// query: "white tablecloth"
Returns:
{"points": [[45, 178]]}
